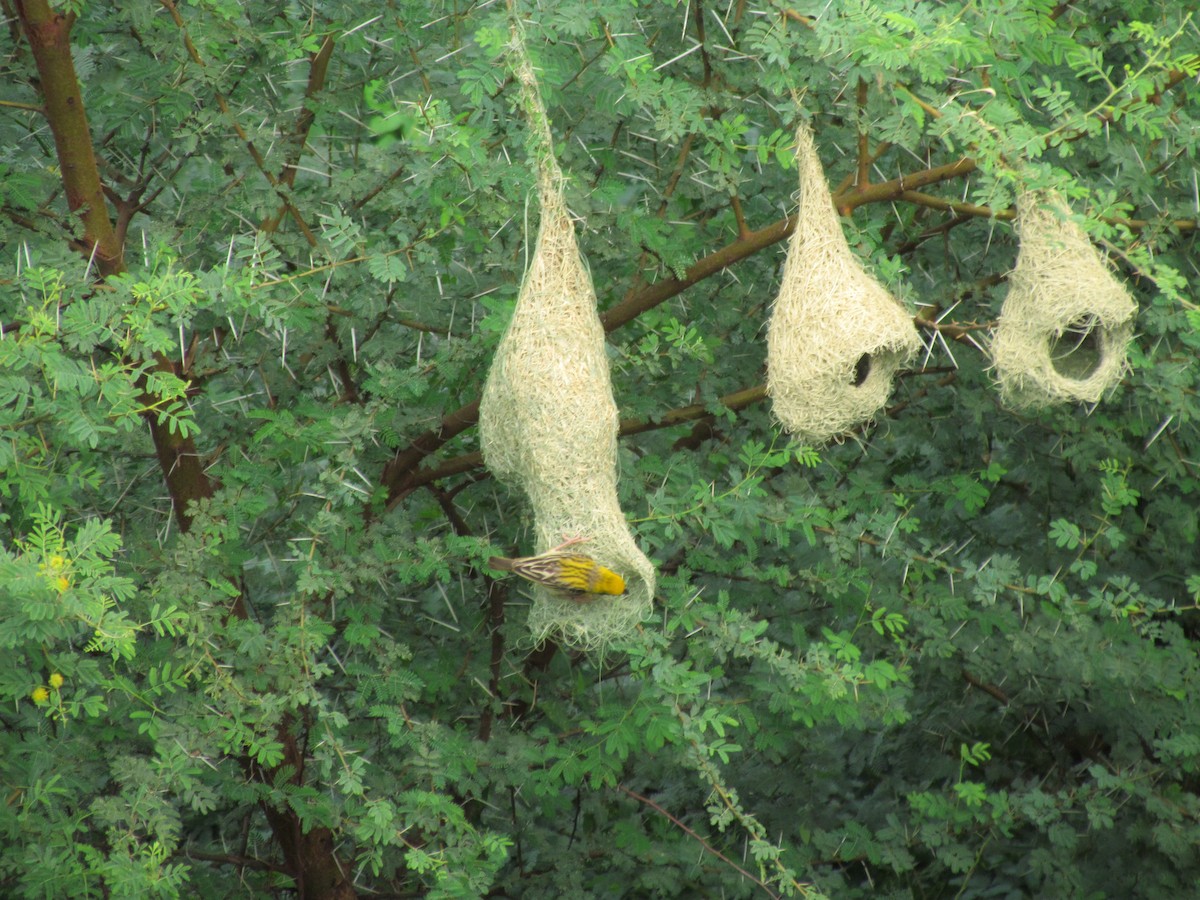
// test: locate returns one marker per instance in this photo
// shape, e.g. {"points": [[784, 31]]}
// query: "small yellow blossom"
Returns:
{"points": [[62, 582], [57, 562], [40, 695], [56, 681]]}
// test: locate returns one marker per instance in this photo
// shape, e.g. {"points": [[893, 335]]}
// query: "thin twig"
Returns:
{"points": [[703, 843]]}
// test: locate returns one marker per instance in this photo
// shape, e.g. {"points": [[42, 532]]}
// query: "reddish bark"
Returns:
{"points": [[49, 35]]}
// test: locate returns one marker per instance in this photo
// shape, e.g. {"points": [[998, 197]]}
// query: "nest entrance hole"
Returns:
{"points": [[876, 366], [862, 370], [1078, 352]]}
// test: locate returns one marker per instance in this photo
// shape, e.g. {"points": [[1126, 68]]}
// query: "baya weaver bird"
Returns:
{"points": [[572, 575]]}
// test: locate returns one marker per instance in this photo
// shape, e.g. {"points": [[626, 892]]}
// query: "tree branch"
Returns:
{"points": [[28, 107], [49, 36], [886, 191], [639, 301], [864, 147], [48, 33], [697, 412], [259, 160], [318, 69], [701, 841]]}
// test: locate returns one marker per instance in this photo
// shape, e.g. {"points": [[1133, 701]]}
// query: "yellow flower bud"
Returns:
{"points": [[57, 562], [56, 681], [62, 582], [40, 695]]}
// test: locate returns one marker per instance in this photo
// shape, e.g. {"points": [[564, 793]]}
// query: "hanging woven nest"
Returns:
{"points": [[1066, 322], [548, 422], [836, 337]]}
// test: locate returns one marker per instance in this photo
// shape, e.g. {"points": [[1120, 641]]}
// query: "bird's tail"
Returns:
{"points": [[501, 563]]}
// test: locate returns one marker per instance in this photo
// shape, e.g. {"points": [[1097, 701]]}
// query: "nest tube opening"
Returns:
{"points": [[1066, 322], [1079, 351]]}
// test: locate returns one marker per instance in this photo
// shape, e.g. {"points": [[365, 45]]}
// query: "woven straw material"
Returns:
{"points": [[548, 423], [836, 337], [1066, 322]]}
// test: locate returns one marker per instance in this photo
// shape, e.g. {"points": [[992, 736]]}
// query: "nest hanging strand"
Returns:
{"points": [[1066, 322], [837, 337], [548, 421]]}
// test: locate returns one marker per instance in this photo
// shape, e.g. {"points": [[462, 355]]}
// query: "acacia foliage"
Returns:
{"points": [[248, 637]]}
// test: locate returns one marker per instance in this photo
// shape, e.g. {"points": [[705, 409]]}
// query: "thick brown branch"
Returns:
{"points": [[864, 149], [955, 206], [49, 36], [886, 191], [738, 400], [963, 209], [400, 474], [317, 70], [637, 302]]}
